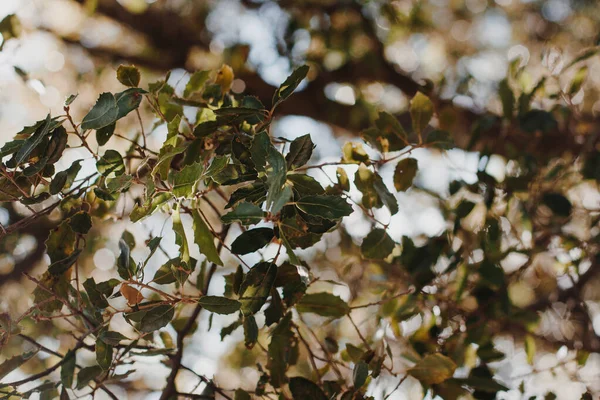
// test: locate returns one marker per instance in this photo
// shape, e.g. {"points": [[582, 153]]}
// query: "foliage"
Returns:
{"points": [[456, 282]]}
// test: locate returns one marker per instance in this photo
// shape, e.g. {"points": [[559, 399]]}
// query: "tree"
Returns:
{"points": [[315, 307]]}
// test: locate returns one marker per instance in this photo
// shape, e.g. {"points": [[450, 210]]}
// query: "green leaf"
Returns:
{"points": [[128, 100], [360, 374], [405, 173], [250, 331], [388, 124], [61, 242], [149, 206], [96, 296], [219, 305], [104, 134], [180, 237], [104, 113], [33, 141], [328, 207], [305, 185], [128, 75], [440, 140], [67, 370], [303, 389], [103, 354], [274, 312], [184, 181], [283, 351], [81, 222], [252, 240], [421, 112], [377, 245], [87, 374], [279, 198], [11, 364], [119, 184], [196, 82], [217, 165], [384, 194], [256, 287], [64, 179], [112, 338], [164, 275], [433, 369], [205, 240], [166, 155], [111, 163], [354, 153], [71, 99], [300, 152], [291, 83], [125, 264], [245, 214], [156, 318], [323, 304], [255, 192]]}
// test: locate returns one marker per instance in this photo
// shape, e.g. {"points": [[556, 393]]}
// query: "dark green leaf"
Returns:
{"points": [[405, 173], [300, 152], [67, 370], [128, 101], [104, 113], [96, 296], [440, 140], [328, 207], [112, 338], [184, 181], [250, 331], [103, 354], [111, 163], [205, 240], [377, 245], [87, 374], [303, 389], [104, 134], [305, 185], [360, 374], [245, 214], [128, 75], [274, 312], [156, 318], [64, 179], [433, 369], [196, 82], [323, 304], [291, 83], [219, 305], [252, 240], [81, 222], [33, 141], [256, 287], [384, 194], [283, 351]]}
